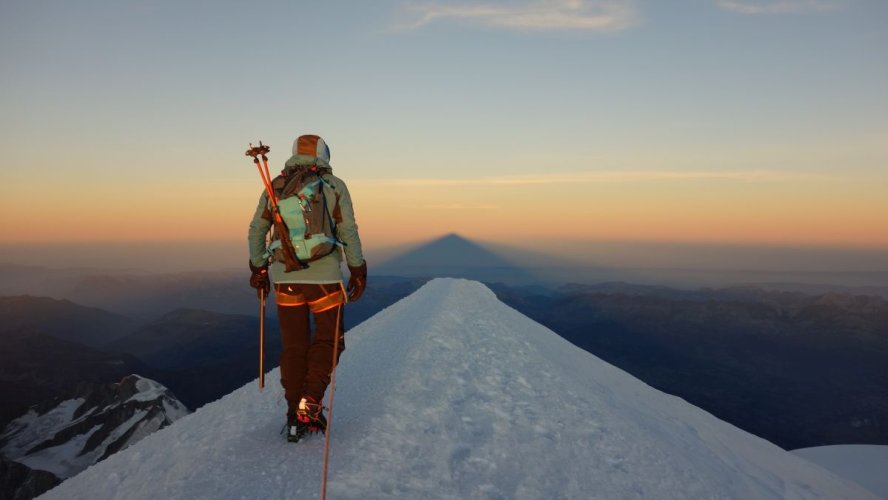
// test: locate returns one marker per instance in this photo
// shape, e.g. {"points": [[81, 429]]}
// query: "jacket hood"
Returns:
{"points": [[296, 161]]}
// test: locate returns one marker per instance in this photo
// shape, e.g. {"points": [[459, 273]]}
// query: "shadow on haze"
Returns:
{"points": [[686, 266], [456, 257]]}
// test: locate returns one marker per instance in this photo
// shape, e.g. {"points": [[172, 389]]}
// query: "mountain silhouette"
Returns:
{"points": [[63, 320], [454, 256]]}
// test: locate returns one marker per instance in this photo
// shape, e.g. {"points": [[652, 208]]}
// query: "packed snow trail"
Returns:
{"points": [[451, 394]]}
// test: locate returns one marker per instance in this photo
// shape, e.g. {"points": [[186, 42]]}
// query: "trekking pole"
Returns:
{"points": [[254, 152], [327, 432], [291, 260], [261, 339]]}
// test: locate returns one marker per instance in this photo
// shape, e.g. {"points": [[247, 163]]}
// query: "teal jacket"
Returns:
{"points": [[326, 269]]}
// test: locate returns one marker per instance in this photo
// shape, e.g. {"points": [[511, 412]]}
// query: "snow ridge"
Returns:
{"points": [[451, 394]]}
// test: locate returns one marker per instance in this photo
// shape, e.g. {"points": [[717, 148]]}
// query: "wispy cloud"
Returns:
{"points": [[590, 15], [459, 206], [601, 177], [779, 6]]}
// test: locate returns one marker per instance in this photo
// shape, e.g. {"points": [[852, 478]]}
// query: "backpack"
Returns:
{"points": [[302, 201]]}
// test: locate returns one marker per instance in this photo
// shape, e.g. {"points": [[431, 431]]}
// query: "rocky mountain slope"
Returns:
{"points": [[65, 435]]}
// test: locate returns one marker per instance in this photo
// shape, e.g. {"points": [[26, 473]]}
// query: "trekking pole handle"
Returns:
{"points": [[255, 151]]}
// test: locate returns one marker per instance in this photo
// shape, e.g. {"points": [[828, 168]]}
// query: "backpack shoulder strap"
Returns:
{"points": [[330, 220]]}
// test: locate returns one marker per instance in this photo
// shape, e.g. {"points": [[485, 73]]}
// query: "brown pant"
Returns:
{"points": [[306, 359]]}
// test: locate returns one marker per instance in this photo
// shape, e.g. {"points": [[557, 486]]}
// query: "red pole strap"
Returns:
{"points": [[266, 181], [261, 340], [327, 432]]}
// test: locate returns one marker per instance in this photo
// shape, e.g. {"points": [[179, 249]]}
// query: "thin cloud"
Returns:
{"points": [[602, 177], [459, 206], [779, 6], [540, 15]]}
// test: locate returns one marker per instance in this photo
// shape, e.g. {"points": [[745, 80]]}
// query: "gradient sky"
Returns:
{"points": [[718, 121]]}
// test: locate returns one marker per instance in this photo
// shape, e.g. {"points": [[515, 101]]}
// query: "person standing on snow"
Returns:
{"points": [[317, 209]]}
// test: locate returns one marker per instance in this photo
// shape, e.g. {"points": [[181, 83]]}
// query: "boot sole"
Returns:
{"points": [[295, 433]]}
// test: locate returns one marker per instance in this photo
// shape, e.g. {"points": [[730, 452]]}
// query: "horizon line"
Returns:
{"points": [[579, 240]]}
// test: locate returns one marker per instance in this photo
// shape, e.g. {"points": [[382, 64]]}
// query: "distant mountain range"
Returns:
{"points": [[134, 294], [187, 337], [35, 366], [145, 296], [64, 320], [140, 298], [200, 355]]}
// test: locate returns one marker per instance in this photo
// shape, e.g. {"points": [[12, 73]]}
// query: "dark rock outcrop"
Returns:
{"points": [[20, 482]]}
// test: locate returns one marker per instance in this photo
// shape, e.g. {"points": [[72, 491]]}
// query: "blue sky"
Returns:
{"points": [[686, 105]]}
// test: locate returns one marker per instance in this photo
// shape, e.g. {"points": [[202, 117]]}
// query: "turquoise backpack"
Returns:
{"points": [[302, 201]]}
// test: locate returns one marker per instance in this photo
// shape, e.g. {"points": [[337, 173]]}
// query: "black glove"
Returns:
{"points": [[357, 281], [259, 279]]}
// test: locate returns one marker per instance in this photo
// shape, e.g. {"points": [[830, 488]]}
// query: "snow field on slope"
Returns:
{"points": [[865, 464], [451, 394], [37, 427]]}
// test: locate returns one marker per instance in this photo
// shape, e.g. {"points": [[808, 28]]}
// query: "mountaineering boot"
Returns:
{"points": [[311, 415], [295, 429]]}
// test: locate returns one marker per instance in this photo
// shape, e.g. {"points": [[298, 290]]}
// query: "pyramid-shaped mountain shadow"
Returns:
{"points": [[449, 393], [456, 257]]}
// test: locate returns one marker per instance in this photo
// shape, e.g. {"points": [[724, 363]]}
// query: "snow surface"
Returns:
{"points": [[451, 394], [865, 464]]}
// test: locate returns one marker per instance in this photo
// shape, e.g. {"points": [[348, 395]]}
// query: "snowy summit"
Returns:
{"points": [[451, 394]]}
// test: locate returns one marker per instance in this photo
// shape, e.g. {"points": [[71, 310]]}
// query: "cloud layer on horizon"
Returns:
{"points": [[779, 6], [578, 15], [598, 177], [540, 15]]}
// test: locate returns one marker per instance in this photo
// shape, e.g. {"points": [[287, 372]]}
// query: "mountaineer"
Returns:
{"points": [[316, 211]]}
